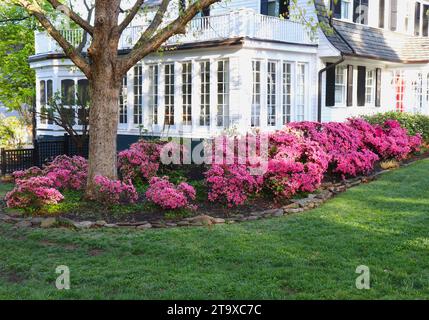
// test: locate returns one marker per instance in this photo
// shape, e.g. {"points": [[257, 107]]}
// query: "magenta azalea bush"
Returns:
{"points": [[27, 174], [296, 164], [113, 192], [168, 196], [34, 192], [347, 153], [68, 172], [141, 161]]}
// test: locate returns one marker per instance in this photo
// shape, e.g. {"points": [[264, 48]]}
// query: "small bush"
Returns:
{"points": [[27, 174], [141, 161], [33, 193], [113, 192], [68, 172], [169, 196]]}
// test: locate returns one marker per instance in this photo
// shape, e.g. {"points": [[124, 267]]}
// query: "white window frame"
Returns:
{"points": [[287, 90], [153, 101], [187, 93], [347, 4], [223, 94], [123, 101], [138, 94], [301, 92], [272, 88], [370, 87], [340, 85], [169, 91], [204, 97], [255, 117]]}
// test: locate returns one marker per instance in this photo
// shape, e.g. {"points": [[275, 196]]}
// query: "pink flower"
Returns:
{"points": [[114, 192]]}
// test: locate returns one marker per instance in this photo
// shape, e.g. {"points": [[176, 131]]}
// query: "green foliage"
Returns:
{"points": [[17, 79], [414, 123], [13, 132]]}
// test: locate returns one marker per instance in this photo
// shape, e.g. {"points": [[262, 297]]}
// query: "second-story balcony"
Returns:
{"points": [[241, 23]]}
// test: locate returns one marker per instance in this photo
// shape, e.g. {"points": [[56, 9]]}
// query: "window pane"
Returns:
{"points": [[68, 92]]}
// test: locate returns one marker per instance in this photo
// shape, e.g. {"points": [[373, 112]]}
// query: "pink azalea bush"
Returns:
{"points": [[296, 164], [141, 161], [113, 192], [168, 196], [347, 152], [34, 192], [27, 174], [68, 172]]}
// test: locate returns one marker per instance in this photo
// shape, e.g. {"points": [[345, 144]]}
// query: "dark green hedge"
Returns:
{"points": [[415, 123]]}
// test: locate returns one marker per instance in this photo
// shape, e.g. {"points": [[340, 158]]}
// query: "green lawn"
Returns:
{"points": [[383, 225]]}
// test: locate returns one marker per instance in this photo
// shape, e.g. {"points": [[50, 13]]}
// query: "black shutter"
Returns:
{"points": [[349, 85], [361, 86], [330, 86], [337, 9], [264, 7], [378, 87], [381, 12], [284, 8]]}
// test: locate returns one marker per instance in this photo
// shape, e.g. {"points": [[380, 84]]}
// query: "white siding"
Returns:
{"points": [[229, 5]]}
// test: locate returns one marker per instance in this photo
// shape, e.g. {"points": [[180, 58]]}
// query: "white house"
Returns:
{"points": [[247, 64]]}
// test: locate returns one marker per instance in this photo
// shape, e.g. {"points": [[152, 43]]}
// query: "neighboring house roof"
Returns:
{"points": [[360, 40]]}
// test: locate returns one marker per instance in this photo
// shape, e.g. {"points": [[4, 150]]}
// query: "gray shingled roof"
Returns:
{"points": [[374, 43]]}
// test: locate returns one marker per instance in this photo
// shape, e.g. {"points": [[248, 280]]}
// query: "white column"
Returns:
{"points": [[161, 97], [178, 103], [264, 114], [130, 99]]}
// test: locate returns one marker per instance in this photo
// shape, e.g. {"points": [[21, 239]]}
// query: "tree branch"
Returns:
{"points": [[147, 44], [14, 20], [69, 50], [134, 10], [157, 20], [84, 24]]}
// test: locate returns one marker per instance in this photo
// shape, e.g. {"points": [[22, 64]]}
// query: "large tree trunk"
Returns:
{"points": [[104, 84]]}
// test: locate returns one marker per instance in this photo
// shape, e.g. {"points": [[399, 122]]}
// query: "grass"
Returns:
{"points": [[383, 225]]}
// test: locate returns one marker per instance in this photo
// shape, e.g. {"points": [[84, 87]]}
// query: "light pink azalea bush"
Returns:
{"points": [[141, 161], [113, 192], [27, 174], [168, 196], [33, 193], [68, 172]]}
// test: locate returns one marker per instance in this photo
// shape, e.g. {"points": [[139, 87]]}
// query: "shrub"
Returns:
{"points": [[231, 184], [296, 164], [68, 172], [141, 161], [413, 123], [34, 192], [348, 155], [27, 174], [114, 192], [169, 196]]}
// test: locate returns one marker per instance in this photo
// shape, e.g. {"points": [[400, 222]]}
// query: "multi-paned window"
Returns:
{"points": [[138, 94], [123, 114], [393, 17], [340, 84], [169, 94], [82, 101], [255, 120], [300, 92], [370, 87], [187, 93], [399, 83], [205, 93], [346, 9], [417, 86], [287, 92], [46, 96], [381, 13], [153, 94], [360, 11], [271, 93], [223, 93], [68, 100]]}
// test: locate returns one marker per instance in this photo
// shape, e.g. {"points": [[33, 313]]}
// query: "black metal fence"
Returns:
{"points": [[42, 152]]}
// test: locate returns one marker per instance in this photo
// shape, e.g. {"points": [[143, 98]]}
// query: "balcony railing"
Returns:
{"points": [[240, 23]]}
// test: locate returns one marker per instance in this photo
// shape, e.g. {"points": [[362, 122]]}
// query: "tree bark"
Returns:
{"points": [[104, 82]]}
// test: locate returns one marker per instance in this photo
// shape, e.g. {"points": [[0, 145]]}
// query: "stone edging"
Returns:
{"points": [[327, 191]]}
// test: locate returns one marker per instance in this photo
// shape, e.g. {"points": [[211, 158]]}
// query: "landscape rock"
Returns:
{"points": [[292, 211], [111, 225], [293, 205], [218, 220], [183, 223], [36, 221], [48, 222], [100, 223], [84, 224], [23, 224], [144, 226]]}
